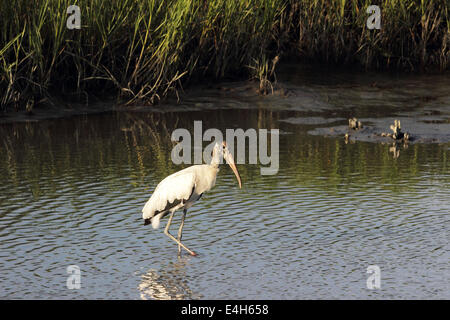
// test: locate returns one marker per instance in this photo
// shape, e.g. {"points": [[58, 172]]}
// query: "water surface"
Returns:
{"points": [[72, 191]]}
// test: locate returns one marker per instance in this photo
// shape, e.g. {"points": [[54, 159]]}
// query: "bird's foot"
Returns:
{"points": [[194, 254]]}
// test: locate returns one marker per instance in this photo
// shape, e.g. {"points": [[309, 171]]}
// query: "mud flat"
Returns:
{"points": [[317, 101], [420, 102], [422, 129]]}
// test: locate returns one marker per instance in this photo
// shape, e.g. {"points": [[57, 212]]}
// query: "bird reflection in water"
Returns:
{"points": [[169, 283]]}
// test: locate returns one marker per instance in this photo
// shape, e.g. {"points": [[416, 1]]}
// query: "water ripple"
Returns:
{"points": [[308, 232]]}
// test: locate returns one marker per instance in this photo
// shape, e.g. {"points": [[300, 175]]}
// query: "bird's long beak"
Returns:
{"points": [[229, 159]]}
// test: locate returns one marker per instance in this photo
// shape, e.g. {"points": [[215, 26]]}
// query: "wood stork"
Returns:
{"points": [[181, 189]]}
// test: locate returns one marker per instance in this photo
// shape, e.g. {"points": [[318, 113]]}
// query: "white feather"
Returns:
{"points": [[177, 186]]}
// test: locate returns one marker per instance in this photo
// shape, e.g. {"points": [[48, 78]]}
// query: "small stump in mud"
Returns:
{"points": [[354, 124], [397, 132]]}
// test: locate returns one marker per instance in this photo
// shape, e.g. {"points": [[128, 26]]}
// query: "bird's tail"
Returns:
{"points": [[154, 221], [148, 213]]}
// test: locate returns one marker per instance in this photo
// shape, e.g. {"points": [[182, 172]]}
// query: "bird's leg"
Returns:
{"points": [[166, 232], [181, 230]]}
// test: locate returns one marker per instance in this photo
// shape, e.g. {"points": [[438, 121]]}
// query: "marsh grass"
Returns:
{"points": [[143, 50]]}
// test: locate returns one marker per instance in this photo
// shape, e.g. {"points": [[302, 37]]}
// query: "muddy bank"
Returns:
{"points": [[318, 101], [56, 110]]}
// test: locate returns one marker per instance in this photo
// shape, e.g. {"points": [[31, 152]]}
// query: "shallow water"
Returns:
{"points": [[72, 191]]}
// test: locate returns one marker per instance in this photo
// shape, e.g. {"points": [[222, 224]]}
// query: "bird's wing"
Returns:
{"points": [[169, 193]]}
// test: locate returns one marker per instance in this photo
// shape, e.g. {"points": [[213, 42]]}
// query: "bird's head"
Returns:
{"points": [[221, 151]]}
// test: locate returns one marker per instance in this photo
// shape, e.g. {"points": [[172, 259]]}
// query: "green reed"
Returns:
{"points": [[143, 50]]}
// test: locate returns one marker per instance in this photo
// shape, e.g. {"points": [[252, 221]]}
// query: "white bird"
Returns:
{"points": [[181, 189]]}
